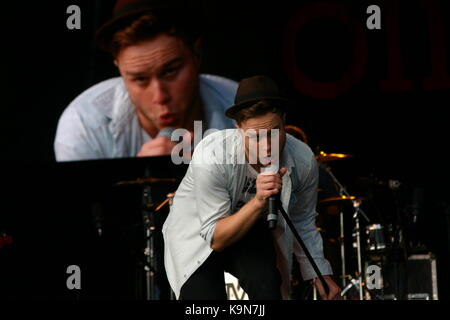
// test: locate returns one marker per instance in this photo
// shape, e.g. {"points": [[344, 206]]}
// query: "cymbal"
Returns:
{"points": [[148, 180], [339, 200], [325, 157]]}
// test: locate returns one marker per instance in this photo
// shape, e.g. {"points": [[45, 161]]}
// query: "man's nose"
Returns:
{"points": [[159, 92], [265, 144]]}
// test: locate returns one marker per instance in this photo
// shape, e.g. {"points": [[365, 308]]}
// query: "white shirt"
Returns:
{"points": [[210, 191], [249, 189]]}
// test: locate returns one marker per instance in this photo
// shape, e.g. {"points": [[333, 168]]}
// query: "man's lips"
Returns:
{"points": [[168, 118]]}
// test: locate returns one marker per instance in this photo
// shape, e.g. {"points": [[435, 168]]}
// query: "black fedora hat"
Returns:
{"points": [[125, 11], [254, 89]]}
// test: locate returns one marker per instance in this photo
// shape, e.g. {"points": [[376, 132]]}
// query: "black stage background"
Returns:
{"points": [[380, 95]]}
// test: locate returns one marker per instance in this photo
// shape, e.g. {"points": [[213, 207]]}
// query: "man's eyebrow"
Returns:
{"points": [[146, 72], [277, 127], [170, 62], [136, 73]]}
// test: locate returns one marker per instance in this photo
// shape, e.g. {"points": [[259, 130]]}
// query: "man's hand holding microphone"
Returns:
{"points": [[268, 188], [162, 144]]}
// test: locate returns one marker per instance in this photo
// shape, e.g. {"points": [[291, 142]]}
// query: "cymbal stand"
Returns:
{"points": [[342, 246], [152, 291], [356, 204], [342, 190], [352, 283], [149, 250]]}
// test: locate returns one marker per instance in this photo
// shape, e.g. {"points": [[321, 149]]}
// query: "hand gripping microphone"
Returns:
{"points": [[272, 217]]}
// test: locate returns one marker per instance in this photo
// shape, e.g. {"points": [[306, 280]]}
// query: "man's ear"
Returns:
{"points": [[116, 63]]}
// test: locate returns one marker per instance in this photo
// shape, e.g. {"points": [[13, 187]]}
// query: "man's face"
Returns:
{"points": [[161, 75], [259, 138]]}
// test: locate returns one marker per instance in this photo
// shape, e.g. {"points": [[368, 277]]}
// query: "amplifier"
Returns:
{"points": [[422, 277]]}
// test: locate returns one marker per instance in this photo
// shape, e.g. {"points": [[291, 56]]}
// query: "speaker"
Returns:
{"points": [[422, 277]]}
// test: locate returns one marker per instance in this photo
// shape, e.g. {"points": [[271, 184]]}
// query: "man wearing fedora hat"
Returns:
{"points": [[156, 47], [217, 221]]}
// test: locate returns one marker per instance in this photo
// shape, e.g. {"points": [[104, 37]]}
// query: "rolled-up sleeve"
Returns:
{"points": [[212, 197], [303, 216]]}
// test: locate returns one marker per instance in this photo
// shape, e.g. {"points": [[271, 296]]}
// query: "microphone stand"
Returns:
{"points": [[302, 244]]}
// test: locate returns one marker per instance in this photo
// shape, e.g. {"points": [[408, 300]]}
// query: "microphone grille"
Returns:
{"points": [[272, 169]]}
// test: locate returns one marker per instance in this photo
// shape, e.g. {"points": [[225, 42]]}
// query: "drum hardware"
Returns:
{"points": [[322, 230], [142, 181], [336, 200], [326, 157], [375, 243], [169, 198], [353, 283], [375, 238], [162, 204], [358, 284], [149, 208], [323, 157], [332, 201], [357, 245], [356, 205], [150, 267]]}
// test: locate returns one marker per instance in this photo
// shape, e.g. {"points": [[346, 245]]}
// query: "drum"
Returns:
{"points": [[375, 238]]}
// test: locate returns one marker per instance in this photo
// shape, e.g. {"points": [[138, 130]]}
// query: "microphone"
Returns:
{"points": [[272, 217], [166, 132]]}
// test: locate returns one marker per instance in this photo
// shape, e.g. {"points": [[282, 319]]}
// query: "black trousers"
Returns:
{"points": [[252, 260]]}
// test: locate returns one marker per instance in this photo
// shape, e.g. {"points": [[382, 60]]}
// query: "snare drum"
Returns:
{"points": [[375, 237]]}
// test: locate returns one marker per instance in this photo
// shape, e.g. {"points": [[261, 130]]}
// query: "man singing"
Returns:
{"points": [[218, 222]]}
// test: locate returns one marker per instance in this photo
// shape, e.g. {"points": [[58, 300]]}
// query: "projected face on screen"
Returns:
{"points": [[161, 75]]}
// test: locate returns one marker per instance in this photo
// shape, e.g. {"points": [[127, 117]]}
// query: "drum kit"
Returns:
{"points": [[368, 245]]}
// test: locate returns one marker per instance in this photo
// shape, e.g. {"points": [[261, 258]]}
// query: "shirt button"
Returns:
{"points": [[198, 262]]}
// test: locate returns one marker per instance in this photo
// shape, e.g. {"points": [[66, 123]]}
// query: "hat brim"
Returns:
{"points": [[232, 111]]}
